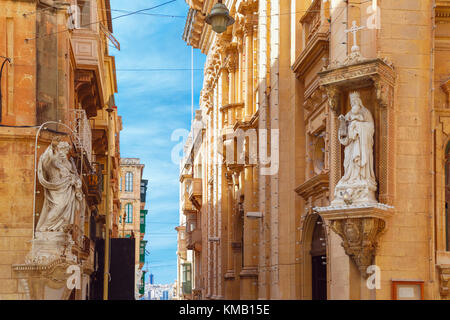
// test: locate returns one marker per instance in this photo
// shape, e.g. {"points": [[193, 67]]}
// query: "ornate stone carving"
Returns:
{"points": [[359, 239], [333, 95], [444, 279], [360, 227]]}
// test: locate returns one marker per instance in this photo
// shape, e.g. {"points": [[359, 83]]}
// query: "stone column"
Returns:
{"points": [[229, 275], [232, 77]]}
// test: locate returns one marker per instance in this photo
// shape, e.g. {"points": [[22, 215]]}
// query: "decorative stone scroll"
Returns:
{"points": [[444, 280], [360, 227]]}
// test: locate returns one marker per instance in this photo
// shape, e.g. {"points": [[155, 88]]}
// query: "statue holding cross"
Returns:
{"points": [[354, 29]]}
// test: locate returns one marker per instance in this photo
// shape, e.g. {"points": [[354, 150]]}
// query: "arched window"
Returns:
{"points": [[129, 213], [129, 182]]}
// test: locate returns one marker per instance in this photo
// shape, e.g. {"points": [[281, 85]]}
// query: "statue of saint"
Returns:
{"points": [[356, 131], [62, 186]]}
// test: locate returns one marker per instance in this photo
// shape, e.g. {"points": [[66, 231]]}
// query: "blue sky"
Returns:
{"points": [[153, 105]]}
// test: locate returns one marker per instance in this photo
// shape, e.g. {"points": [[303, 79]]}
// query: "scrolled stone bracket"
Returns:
{"points": [[444, 280], [360, 227]]}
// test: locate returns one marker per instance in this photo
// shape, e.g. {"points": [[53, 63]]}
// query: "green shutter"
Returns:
{"points": [[142, 285], [142, 220], [187, 282], [142, 245]]}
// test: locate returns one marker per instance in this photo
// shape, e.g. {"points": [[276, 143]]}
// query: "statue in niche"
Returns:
{"points": [[356, 132], [63, 196]]}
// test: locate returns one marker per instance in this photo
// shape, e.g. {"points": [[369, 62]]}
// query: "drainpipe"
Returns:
{"points": [[262, 73], [106, 275]]}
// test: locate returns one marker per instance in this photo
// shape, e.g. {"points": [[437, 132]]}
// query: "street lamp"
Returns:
{"points": [[219, 18]]}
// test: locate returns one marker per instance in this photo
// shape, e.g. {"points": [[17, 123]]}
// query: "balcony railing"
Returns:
{"points": [[81, 128]]}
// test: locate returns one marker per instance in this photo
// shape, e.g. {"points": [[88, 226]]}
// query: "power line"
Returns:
{"points": [[101, 21]]}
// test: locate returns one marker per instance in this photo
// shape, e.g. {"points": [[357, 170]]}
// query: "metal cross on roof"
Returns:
{"points": [[354, 29]]}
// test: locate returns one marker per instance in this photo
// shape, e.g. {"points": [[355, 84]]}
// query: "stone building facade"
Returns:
{"points": [[133, 190], [56, 90], [264, 168]]}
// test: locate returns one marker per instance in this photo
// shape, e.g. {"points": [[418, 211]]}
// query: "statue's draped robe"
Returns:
{"points": [[358, 161], [58, 177]]}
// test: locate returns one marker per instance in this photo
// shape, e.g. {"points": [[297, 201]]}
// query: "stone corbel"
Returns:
{"points": [[444, 279], [359, 228]]}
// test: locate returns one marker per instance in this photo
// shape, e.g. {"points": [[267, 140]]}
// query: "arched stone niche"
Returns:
{"points": [[360, 225]]}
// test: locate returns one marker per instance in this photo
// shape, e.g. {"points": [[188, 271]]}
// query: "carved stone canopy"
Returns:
{"points": [[355, 73], [377, 74], [360, 228]]}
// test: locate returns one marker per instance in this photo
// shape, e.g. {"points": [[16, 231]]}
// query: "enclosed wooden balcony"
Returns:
{"points": [[89, 63], [194, 240], [195, 192], [181, 248], [186, 205]]}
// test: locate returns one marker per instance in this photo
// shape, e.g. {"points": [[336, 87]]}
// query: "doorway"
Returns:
{"points": [[318, 262]]}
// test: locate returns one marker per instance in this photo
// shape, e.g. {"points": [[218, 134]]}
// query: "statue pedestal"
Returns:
{"points": [[359, 226], [354, 194], [44, 274], [50, 246]]}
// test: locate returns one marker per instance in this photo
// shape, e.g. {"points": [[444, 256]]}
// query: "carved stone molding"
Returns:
{"points": [[360, 228], [314, 187], [44, 281], [444, 279]]}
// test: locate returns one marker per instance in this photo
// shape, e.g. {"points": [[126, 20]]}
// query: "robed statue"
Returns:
{"points": [[63, 195], [356, 133]]}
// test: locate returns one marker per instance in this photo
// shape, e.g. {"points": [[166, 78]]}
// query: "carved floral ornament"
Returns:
{"points": [[360, 239]]}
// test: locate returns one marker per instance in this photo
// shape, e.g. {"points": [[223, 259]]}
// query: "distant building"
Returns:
{"points": [[159, 292], [151, 278], [133, 192]]}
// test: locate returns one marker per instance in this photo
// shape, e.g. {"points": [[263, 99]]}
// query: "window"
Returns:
{"points": [[85, 13], [187, 284], [129, 213], [120, 184], [129, 182]]}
